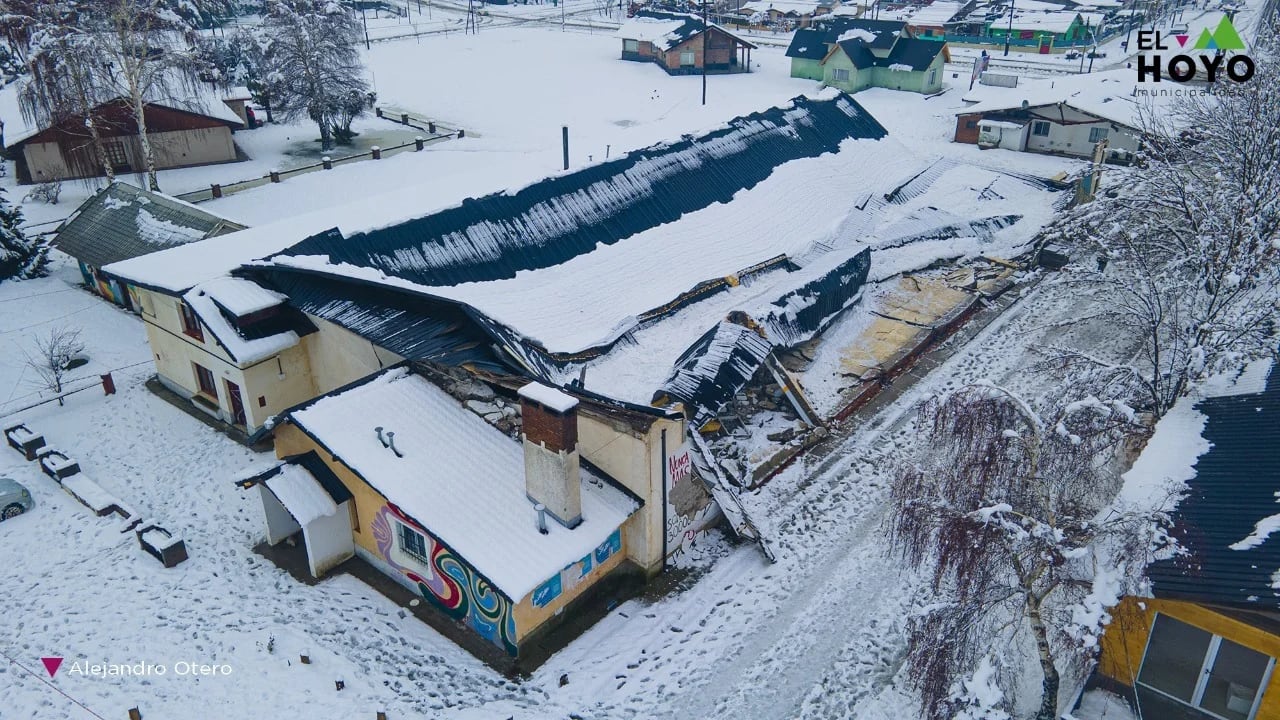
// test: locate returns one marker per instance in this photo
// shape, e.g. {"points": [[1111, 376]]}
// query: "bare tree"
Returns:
{"points": [[1004, 510], [54, 352], [67, 77], [1189, 244]]}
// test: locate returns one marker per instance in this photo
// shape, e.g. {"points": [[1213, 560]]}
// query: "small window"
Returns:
{"points": [[686, 58], [204, 378], [413, 543], [839, 75], [630, 45], [1040, 128], [116, 154], [970, 124], [1097, 134], [933, 77], [190, 323]]}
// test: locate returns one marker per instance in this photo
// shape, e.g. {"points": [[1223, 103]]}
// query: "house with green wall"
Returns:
{"points": [[1052, 28], [852, 54]]}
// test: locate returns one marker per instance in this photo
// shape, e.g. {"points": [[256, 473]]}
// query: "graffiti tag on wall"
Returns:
{"points": [[573, 575], [689, 504], [447, 581]]}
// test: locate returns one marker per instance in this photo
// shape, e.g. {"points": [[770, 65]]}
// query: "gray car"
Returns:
{"points": [[14, 499]]}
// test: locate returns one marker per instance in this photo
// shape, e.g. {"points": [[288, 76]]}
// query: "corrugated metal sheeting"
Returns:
{"points": [[1236, 486], [557, 219]]}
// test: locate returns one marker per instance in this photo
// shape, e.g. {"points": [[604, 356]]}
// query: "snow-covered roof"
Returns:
{"points": [[244, 351], [666, 29], [121, 221], [241, 297], [301, 494], [1109, 95], [460, 478], [200, 100], [549, 397], [935, 14], [1054, 22]]}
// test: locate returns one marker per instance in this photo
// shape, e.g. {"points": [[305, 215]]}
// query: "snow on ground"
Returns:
{"points": [[819, 634]]}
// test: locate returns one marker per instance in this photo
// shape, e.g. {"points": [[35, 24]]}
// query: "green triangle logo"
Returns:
{"points": [[1224, 37]]}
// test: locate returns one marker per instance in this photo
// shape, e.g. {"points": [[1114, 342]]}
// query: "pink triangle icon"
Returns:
{"points": [[1182, 40], [51, 664]]}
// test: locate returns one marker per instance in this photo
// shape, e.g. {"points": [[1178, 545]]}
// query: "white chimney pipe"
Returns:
{"points": [[542, 517], [391, 443], [381, 439]]}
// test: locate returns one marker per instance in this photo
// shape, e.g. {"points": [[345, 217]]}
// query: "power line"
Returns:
{"points": [[57, 689]]}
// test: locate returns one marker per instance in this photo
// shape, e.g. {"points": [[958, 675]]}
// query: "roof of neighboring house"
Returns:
{"points": [[459, 478], [1229, 521], [201, 100], [1109, 95], [121, 221], [666, 30], [1054, 22], [877, 34], [918, 54]]}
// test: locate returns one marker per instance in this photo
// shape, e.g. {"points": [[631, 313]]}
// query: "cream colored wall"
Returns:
{"points": [[283, 381], [277, 384], [45, 162], [193, 147], [338, 356], [633, 458]]}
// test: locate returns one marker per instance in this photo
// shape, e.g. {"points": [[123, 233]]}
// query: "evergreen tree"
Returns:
{"points": [[19, 257]]}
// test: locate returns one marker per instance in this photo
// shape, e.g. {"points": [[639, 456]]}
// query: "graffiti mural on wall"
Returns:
{"points": [[570, 577], [447, 581], [689, 505]]}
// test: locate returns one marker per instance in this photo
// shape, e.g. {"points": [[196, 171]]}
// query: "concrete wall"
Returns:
{"points": [[329, 540], [280, 524]]}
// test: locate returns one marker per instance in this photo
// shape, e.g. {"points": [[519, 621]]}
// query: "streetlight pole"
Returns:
{"points": [[1008, 34]]}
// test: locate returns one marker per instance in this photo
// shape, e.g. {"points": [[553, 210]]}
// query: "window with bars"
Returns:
{"points": [[413, 543]]}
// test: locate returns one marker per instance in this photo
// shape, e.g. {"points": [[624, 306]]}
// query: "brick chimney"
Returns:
{"points": [[551, 474]]}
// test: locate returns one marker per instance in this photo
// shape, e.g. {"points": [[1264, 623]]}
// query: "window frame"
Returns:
{"points": [[691, 55], [404, 531], [836, 75], [1206, 664], [201, 371], [190, 322], [631, 46], [1106, 133], [1037, 124]]}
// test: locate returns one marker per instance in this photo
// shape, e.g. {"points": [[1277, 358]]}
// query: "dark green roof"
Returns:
{"points": [[121, 222], [919, 54]]}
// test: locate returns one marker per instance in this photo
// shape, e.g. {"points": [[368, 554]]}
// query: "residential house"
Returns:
{"points": [[499, 534], [1045, 29], [196, 131], [120, 222], [1205, 646], [681, 44], [853, 54], [1065, 116]]}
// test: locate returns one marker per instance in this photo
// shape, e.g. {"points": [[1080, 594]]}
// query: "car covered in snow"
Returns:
{"points": [[14, 499]]}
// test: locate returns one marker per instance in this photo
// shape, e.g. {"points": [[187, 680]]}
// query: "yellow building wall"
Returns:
{"points": [[633, 458], [281, 381], [504, 623], [1126, 640], [338, 356]]}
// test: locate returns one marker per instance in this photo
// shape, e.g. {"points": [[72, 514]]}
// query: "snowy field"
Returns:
{"points": [[817, 635]]}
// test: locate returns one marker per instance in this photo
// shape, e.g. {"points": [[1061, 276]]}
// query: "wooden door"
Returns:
{"points": [[237, 404]]}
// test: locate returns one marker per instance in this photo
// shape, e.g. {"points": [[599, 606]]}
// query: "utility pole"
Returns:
{"points": [[364, 16], [1009, 33], [1133, 9], [706, 30], [473, 27]]}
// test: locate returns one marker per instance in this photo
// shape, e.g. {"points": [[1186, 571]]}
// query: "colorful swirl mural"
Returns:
{"points": [[448, 582]]}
